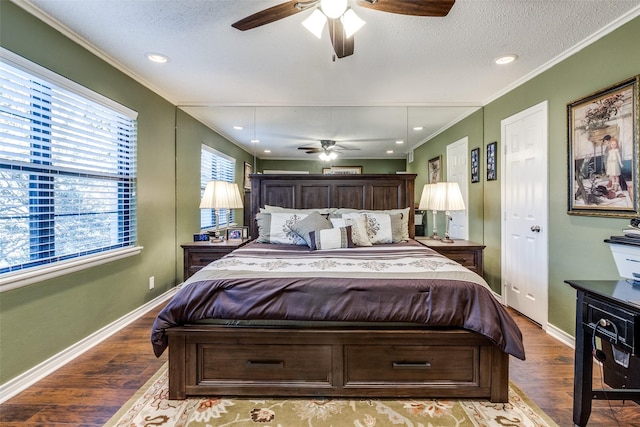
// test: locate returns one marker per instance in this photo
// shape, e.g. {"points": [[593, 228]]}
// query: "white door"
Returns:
{"points": [[457, 171], [524, 202]]}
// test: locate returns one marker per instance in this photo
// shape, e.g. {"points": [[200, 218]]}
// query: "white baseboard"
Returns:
{"points": [[35, 374], [561, 335]]}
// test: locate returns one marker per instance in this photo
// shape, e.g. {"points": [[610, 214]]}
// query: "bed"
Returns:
{"points": [[393, 319]]}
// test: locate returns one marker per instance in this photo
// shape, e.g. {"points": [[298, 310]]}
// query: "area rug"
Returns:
{"points": [[151, 407]]}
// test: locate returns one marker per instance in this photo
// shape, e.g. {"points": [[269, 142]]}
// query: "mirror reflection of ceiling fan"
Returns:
{"points": [[328, 149], [342, 20]]}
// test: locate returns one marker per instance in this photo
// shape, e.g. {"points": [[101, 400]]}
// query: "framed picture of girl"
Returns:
{"points": [[603, 152]]}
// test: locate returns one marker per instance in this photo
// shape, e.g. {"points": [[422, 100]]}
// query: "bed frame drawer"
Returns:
{"points": [[412, 364], [265, 363], [207, 360]]}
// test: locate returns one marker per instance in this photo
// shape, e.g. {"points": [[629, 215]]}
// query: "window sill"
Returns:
{"points": [[38, 274]]}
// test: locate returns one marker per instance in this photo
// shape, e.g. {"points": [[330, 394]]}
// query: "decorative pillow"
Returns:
{"points": [[313, 222], [403, 232], [332, 238], [276, 228], [358, 225], [378, 227]]}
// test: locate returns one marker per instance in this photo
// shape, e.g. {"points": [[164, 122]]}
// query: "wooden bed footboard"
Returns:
{"points": [[276, 362]]}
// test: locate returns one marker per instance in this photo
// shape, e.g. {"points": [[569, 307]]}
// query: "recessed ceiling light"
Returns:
{"points": [[236, 127], [267, 151], [255, 141], [157, 57], [399, 141], [506, 59], [389, 151], [418, 128]]}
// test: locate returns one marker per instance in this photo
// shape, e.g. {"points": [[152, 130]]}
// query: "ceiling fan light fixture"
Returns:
{"points": [[333, 8], [351, 22], [328, 156], [315, 23]]}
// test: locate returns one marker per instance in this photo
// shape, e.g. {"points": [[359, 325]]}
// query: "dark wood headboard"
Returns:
{"points": [[371, 192]]}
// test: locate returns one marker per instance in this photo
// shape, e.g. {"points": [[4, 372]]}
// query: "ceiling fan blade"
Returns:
{"points": [[343, 148], [410, 7], [311, 150], [342, 45], [267, 16]]}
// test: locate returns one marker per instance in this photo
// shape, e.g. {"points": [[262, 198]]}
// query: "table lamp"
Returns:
{"points": [[447, 197], [220, 195], [425, 204]]}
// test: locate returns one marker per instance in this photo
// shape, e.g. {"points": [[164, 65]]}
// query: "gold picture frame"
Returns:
{"points": [[603, 152]]}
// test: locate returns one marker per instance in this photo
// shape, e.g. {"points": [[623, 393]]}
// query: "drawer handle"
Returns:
{"points": [[411, 365], [265, 363]]}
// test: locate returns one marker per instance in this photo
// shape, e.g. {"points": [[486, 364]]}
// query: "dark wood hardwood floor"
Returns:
{"points": [[90, 389]]}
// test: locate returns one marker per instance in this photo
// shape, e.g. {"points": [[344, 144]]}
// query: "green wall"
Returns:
{"points": [[191, 134], [315, 166], [576, 248], [40, 320], [73, 306]]}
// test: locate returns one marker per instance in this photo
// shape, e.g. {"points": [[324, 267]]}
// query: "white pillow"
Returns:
{"points": [[358, 225], [331, 238], [276, 228], [404, 231], [378, 226]]}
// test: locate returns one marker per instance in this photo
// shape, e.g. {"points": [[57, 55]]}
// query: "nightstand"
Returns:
{"points": [[464, 252], [199, 254]]}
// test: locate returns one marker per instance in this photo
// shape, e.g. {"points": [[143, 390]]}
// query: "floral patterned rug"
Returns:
{"points": [[151, 407]]}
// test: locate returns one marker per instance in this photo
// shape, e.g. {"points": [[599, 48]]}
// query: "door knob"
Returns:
{"points": [[535, 228]]}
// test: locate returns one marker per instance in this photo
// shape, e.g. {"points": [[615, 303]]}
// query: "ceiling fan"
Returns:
{"points": [[327, 149], [342, 21]]}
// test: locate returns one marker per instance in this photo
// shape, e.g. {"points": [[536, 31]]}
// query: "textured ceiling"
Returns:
{"points": [[284, 87]]}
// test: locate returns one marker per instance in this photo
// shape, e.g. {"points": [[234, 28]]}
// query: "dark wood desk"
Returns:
{"points": [[615, 302]]}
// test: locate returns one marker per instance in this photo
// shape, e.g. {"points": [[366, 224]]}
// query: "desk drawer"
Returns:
{"points": [[411, 364], [622, 332]]}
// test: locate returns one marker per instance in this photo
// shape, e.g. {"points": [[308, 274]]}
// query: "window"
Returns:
{"points": [[214, 166], [67, 169]]}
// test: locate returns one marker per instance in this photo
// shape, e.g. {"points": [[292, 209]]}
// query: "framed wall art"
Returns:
{"points": [[342, 170], [475, 165], [435, 170], [247, 171], [603, 152], [492, 166]]}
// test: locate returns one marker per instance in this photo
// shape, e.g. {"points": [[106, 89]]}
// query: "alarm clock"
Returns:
{"points": [[200, 237]]}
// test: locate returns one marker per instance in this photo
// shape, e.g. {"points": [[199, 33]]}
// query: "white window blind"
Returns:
{"points": [[214, 166], [67, 172]]}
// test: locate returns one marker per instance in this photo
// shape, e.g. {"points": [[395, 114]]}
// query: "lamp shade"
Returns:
{"points": [[221, 195], [427, 194], [447, 197], [236, 199]]}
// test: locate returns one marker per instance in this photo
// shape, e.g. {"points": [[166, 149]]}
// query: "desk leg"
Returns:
{"points": [[583, 371]]}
